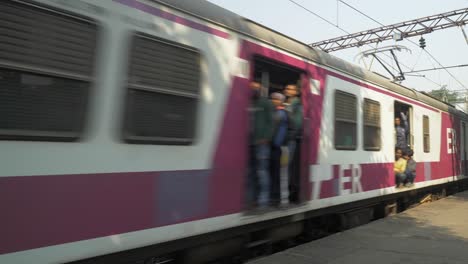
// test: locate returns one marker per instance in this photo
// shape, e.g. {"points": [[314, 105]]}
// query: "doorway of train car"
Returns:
{"points": [[463, 150], [284, 159], [403, 116]]}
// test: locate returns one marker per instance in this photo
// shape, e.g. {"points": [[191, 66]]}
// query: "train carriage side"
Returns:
{"points": [[150, 152], [361, 166], [122, 182]]}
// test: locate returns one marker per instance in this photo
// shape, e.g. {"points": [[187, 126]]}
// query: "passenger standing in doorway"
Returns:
{"points": [[401, 131], [294, 109], [280, 132], [261, 129]]}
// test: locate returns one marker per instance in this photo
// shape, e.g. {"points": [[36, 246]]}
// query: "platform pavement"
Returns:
{"points": [[432, 233]]}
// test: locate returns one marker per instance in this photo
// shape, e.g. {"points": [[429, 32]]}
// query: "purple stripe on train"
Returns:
{"points": [[171, 17], [49, 210], [427, 171], [181, 195]]}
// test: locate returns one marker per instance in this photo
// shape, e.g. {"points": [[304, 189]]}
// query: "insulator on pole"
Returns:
{"points": [[422, 43]]}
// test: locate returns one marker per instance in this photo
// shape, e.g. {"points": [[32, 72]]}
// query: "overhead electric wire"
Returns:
{"points": [[317, 15], [360, 12], [371, 18], [417, 60], [445, 68], [428, 53], [345, 31], [331, 23]]}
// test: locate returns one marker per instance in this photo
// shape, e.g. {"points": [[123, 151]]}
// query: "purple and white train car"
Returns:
{"points": [[124, 125]]}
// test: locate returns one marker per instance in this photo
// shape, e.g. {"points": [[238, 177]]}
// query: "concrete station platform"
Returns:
{"points": [[431, 233]]}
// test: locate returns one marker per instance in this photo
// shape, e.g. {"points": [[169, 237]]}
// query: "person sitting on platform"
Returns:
{"points": [[399, 168]]}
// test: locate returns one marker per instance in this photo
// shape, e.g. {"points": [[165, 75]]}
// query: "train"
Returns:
{"points": [[124, 131]]}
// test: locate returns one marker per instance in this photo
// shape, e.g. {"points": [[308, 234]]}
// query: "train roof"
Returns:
{"points": [[232, 21]]}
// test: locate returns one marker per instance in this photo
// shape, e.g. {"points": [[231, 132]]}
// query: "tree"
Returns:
{"points": [[445, 95]]}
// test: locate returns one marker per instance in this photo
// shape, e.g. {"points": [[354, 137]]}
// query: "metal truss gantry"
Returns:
{"points": [[397, 31]]}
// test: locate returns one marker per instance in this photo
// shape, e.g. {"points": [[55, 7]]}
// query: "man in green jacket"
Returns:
{"points": [[294, 108], [261, 130]]}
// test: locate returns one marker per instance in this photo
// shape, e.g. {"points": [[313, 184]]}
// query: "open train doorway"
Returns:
{"points": [[274, 76], [280, 88], [464, 149], [404, 127]]}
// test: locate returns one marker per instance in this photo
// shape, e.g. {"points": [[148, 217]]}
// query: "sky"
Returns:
{"points": [[448, 46]]}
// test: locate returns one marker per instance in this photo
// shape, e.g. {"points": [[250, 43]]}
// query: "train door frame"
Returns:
{"points": [[463, 149], [305, 140], [268, 72], [411, 126]]}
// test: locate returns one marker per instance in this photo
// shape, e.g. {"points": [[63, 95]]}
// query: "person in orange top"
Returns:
{"points": [[399, 168]]}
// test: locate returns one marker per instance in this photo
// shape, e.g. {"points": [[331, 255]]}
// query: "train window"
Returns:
{"points": [[46, 65], [162, 94], [345, 121], [426, 136], [371, 124]]}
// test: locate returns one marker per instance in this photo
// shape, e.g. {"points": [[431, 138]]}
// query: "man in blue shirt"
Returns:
{"points": [[294, 108], [280, 136], [402, 131]]}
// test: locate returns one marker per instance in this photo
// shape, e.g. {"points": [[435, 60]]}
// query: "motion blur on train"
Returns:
{"points": [[133, 129]]}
